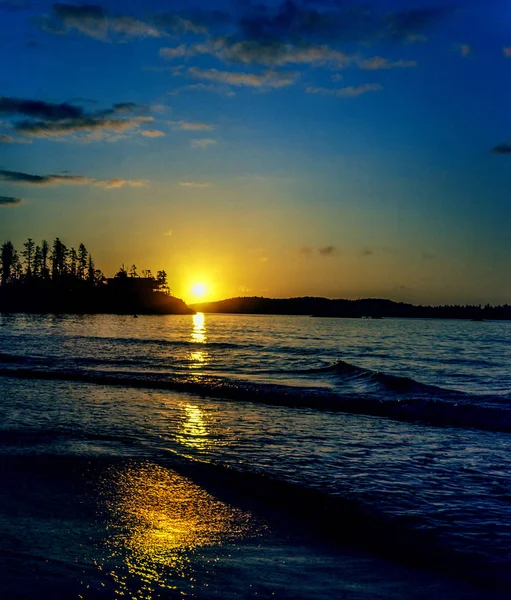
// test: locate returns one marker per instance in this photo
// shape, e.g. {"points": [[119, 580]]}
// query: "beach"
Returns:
{"points": [[115, 488]]}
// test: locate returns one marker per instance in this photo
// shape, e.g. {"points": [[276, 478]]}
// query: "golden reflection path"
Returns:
{"points": [[192, 431], [199, 328], [156, 520], [198, 358]]}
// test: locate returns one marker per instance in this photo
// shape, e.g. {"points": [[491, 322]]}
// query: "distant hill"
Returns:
{"points": [[368, 307]]}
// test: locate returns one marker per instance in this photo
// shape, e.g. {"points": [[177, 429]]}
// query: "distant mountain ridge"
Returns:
{"points": [[367, 307]]}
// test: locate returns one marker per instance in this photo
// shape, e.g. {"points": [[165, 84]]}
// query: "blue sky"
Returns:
{"points": [[312, 147]]}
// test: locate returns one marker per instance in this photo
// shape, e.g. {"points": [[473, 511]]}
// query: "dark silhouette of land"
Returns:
{"points": [[59, 279], [373, 308], [65, 280]]}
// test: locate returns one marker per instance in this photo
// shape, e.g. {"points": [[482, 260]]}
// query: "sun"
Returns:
{"points": [[199, 290]]}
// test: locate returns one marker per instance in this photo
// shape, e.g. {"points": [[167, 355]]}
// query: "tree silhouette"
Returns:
{"points": [[45, 250], [58, 259], [38, 262], [28, 255], [121, 273], [8, 259], [73, 263], [82, 261]]}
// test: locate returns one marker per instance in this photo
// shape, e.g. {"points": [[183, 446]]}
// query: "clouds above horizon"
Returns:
{"points": [[18, 177], [268, 79], [10, 201], [345, 92], [96, 22], [70, 121]]}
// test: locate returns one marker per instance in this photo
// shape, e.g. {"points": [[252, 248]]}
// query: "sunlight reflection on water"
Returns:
{"points": [[156, 518]]}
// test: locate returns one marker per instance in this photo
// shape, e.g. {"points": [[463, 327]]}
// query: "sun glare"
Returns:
{"points": [[199, 290]]}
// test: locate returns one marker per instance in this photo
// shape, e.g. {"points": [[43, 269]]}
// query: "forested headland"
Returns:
{"points": [[373, 308], [54, 278]]}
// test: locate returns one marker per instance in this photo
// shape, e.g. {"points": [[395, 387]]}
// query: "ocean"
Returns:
{"points": [[243, 456]]}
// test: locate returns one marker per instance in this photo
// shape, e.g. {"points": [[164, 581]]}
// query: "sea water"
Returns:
{"points": [[254, 456]]}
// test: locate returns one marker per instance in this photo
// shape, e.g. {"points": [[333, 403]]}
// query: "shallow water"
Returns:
{"points": [[407, 460]]}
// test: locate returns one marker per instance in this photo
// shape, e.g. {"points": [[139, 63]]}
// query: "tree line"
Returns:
{"points": [[59, 264], [45, 263]]}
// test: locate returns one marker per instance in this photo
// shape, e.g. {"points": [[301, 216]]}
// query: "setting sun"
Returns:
{"points": [[199, 290]]}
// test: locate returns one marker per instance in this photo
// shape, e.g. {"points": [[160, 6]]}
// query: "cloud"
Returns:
{"points": [[180, 23], [327, 250], [346, 92], [192, 125], [56, 120], [171, 53], [94, 21], [270, 53], [168, 233], [502, 148], [51, 180], [10, 201], [116, 183], [39, 109], [367, 252], [152, 133], [222, 90], [379, 62], [202, 143], [195, 184], [26, 178], [344, 20], [305, 251], [507, 52], [80, 125], [268, 79], [6, 139]]}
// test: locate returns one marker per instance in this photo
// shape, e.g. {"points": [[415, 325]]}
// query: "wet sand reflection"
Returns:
{"points": [[158, 519]]}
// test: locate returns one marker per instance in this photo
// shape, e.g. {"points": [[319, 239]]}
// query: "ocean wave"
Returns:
{"points": [[337, 518], [437, 407], [389, 382]]}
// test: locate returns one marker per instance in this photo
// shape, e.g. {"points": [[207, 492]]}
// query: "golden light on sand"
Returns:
{"points": [[158, 518]]}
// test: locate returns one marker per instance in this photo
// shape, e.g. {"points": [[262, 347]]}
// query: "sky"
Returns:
{"points": [[330, 148]]}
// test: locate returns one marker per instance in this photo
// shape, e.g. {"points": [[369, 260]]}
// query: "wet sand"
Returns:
{"points": [[124, 528]]}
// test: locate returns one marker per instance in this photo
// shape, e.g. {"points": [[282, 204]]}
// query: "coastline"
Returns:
{"points": [[97, 528]]}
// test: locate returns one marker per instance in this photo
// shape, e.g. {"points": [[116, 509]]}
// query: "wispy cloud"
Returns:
{"points": [[192, 126], [58, 120], [270, 53], [327, 250], [96, 22], [202, 143], [116, 183], [346, 92], [379, 62], [172, 53], [10, 201], [152, 133], [222, 90], [195, 184], [39, 109], [19, 177], [502, 148], [507, 52], [268, 79]]}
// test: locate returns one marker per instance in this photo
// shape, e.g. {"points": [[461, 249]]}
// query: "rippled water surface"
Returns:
{"points": [[408, 421]]}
